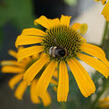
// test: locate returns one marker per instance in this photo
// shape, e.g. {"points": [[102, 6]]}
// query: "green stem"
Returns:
{"points": [[63, 106], [105, 33], [106, 82], [1, 37]]}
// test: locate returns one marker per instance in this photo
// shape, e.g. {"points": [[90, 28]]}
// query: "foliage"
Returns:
{"points": [[70, 2], [19, 12]]}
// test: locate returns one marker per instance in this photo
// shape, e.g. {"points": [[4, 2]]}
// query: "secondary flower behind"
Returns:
{"points": [[104, 103], [19, 68], [60, 46], [105, 11]]}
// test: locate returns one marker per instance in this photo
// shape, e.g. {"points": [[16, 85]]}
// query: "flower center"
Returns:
{"points": [[62, 42]]}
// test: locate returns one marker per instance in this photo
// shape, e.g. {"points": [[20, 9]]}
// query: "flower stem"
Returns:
{"points": [[63, 106], [1, 37], [107, 81], [105, 33]]}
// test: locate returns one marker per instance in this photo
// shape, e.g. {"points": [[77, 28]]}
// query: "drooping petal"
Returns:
{"points": [[33, 32], [95, 51], [82, 78], [104, 100], [45, 78], [43, 21], [26, 40], [13, 53], [65, 20], [11, 62], [15, 80], [35, 68], [55, 74], [105, 11], [76, 26], [95, 63], [53, 82], [33, 94], [104, 103], [82, 28], [11, 69], [103, 1], [46, 99], [29, 51], [20, 90], [63, 85]]}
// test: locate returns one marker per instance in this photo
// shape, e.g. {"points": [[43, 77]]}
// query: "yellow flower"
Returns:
{"points": [[104, 103], [102, 1], [18, 68], [105, 11], [60, 46]]}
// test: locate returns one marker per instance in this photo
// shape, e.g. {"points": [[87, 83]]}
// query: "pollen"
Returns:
{"points": [[63, 37]]}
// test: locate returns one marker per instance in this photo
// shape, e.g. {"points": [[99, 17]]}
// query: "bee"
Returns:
{"points": [[57, 52]]}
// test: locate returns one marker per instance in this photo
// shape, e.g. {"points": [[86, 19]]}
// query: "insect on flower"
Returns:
{"points": [[59, 47]]}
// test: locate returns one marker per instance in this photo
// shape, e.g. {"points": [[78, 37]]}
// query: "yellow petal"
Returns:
{"points": [[63, 85], [11, 62], [20, 90], [13, 53], [36, 56], [54, 22], [25, 62], [95, 51], [33, 94], [33, 32], [45, 78], [55, 74], [26, 40], [103, 1], [65, 20], [96, 0], [15, 80], [34, 69], [95, 63], [104, 100], [43, 21], [54, 82], [46, 99], [104, 103], [82, 28], [29, 51], [82, 78], [76, 26], [12, 69], [105, 11]]}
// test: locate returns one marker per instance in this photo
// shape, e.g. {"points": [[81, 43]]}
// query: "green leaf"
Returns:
{"points": [[19, 12]]}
